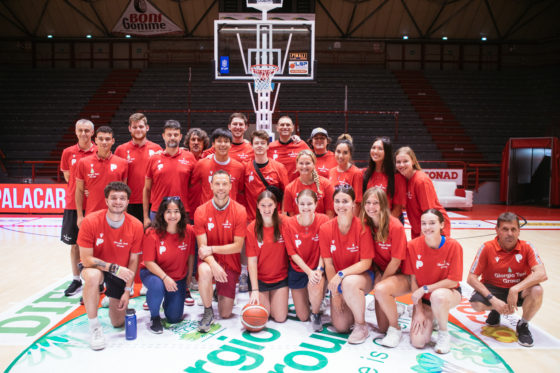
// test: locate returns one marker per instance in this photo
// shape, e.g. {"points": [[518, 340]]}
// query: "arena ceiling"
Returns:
{"points": [[497, 20]]}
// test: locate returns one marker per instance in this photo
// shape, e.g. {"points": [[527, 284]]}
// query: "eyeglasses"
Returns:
{"points": [[172, 198]]}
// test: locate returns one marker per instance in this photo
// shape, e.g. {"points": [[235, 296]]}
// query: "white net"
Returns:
{"points": [[262, 74]]}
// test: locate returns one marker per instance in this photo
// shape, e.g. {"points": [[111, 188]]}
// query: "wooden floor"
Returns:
{"points": [[36, 259]]}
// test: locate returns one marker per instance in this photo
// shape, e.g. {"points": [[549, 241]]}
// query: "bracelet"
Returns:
{"points": [[164, 277], [128, 288]]}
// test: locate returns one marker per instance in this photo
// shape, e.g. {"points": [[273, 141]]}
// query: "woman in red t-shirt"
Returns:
{"points": [[308, 179], [420, 192], [347, 250], [168, 249], [435, 263], [380, 172], [390, 252], [267, 258], [345, 173], [319, 142], [306, 272]]}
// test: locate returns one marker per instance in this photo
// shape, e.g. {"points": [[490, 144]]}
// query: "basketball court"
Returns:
{"points": [[40, 328]]}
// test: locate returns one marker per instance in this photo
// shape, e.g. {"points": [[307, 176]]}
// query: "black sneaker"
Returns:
{"points": [[493, 318], [524, 337], [74, 287], [156, 326]]}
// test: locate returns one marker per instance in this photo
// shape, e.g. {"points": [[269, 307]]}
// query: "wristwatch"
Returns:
{"points": [[341, 274], [489, 296], [425, 287]]}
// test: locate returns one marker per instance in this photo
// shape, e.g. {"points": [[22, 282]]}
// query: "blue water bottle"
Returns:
{"points": [[130, 324]]}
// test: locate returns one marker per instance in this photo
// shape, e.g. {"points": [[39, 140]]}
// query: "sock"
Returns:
{"points": [[443, 332], [77, 278], [94, 323], [523, 321], [208, 310]]}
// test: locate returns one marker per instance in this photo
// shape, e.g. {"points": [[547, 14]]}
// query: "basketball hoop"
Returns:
{"points": [[262, 74]]}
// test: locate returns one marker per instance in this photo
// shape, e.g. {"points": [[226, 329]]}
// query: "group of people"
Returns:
{"points": [[293, 215]]}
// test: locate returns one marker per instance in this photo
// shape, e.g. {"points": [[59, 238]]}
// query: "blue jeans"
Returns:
{"points": [[173, 301]]}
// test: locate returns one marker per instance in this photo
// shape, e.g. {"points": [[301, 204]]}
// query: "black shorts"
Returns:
{"points": [[114, 286], [265, 286], [297, 280], [427, 302], [498, 292], [136, 210], [69, 231]]}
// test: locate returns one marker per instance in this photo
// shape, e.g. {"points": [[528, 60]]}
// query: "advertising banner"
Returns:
{"points": [[445, 174], [32, 198], [141, 18]]}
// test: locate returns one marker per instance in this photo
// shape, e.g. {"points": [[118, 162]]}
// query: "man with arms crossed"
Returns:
{"points": [[285, 149], [68, 163], [137, 152], [511, 272], [110, 241], [219, 225]]}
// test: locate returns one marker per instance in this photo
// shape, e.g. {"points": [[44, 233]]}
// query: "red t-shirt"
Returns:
{"points": [[68, 162], [345, 249], [287, 154], [169, 251], [393, 247], [303, 241], [274, 173], [170, 176], [137, 158], [112, 245], [96, 173], [421, 196], [352, 177], [204, 170], [433, 265], [380, 179], [325, 162], [502, 268], [272, 261], [240, 152], [220, 227], [324, 199]]}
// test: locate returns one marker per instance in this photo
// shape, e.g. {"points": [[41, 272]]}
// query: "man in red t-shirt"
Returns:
{"points": [[137, 152], [221, 160], [285, 150], [68, 162], [94, 172], [196, 142], [110, 241], [168, 174], [510, 272], [241, 149], [273, 172], [220, 226]]}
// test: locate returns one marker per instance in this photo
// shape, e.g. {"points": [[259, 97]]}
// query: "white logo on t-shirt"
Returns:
{"points": [[419, 263], [161, 247], [333, 246], [518, 257], [298, 241], [113, 167], [210, 224]]}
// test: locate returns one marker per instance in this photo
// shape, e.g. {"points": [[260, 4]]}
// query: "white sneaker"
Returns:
{"points": [[105, 302], [97, 339], [143, 290], [392, 338], [371, 305], [359, 334], [443, 344], [132, 290]]}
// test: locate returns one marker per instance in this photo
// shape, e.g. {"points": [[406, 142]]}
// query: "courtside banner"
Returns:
{"points": [[141, 18], [32, 198], [445, 174]]}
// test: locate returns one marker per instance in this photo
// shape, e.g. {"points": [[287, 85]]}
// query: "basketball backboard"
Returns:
{"points": [[240, 44]]}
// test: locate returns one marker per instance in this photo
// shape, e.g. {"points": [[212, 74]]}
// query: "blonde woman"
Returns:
{"points": [[308, 179], [421, 194]]}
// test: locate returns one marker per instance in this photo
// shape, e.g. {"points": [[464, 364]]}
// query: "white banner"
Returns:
{"points": [[141, 18], [445, 174]]}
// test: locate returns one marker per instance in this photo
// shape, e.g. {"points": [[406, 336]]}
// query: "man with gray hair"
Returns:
{"points": [[68, 162], [510, 272]]}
